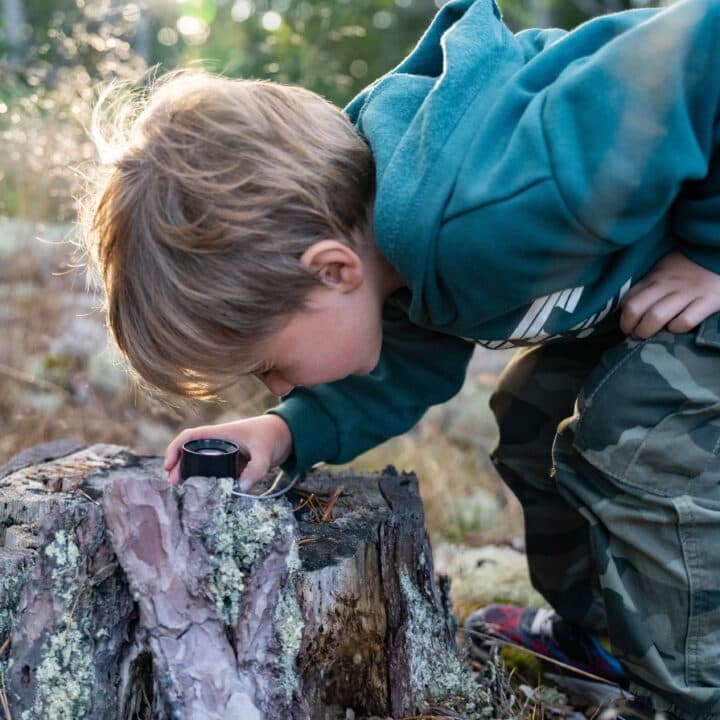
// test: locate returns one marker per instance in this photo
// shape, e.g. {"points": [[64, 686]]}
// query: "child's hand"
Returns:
{"points": [[266, 437], [677, 294]]}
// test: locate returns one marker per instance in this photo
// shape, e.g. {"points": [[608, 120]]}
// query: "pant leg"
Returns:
{"points": [[535, 393], [639, 460]]}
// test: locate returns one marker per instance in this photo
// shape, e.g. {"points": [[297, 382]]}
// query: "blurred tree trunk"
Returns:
{"points": [[541, 14], [14, 22], [143, 41], [571, 13]]}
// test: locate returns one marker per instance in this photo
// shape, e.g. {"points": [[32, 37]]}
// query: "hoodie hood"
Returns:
{"points": [[409, 115]]}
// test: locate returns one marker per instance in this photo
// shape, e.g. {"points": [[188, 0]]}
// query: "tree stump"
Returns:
{"points": [[122, 597]]}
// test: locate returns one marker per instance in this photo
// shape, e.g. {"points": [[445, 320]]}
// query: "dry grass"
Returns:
{"points": [[464, 499]]}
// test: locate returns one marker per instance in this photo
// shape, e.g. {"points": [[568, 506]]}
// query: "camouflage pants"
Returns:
{"points": [[612, 447]]}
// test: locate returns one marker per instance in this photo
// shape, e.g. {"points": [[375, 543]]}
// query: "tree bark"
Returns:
{"points": [[68, 607], [125, 598]]}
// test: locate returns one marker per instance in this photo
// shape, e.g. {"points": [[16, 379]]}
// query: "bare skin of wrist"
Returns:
{"points": [[284, 443]]}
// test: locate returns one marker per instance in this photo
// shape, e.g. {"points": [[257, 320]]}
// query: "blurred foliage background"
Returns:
{"points": [[55, 52]]}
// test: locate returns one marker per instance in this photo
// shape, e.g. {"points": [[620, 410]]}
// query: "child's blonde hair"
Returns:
{"points": [[201, 214]]}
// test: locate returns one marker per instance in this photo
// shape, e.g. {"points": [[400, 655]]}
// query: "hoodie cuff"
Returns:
{"points": [[707, 257], [315, 436]]}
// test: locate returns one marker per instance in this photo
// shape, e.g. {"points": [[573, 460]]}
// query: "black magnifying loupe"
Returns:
{"points": [[212, 457]]}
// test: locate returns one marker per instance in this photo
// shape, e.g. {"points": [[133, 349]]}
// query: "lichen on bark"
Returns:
{"points": [[235, 541], [289, 624], [11, 587], [434, 665], [66, 557], [64, 678]]}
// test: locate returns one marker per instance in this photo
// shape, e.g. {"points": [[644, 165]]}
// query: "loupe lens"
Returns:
{"points": [[212, 457]]}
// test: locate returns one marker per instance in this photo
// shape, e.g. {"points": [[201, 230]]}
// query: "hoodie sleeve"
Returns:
{"points": [[634, 127], [338, 421], [696, 218]]}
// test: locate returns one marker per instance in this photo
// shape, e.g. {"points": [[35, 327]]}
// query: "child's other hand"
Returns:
{"points": [[678, 294], [266, 437]]}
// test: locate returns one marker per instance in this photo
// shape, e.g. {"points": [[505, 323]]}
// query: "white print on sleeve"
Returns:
{"points": [[532, 328]]}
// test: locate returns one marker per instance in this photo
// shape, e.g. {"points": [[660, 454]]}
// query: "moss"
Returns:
{"points": [[525, 664], [551, 696], [235, 540], [487, 575], [436, 667]]}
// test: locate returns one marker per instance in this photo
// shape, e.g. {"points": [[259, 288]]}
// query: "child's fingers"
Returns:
{"points": [[637, 288], [174, 475], [657, 316], [692, 315], [637, 306], [677, 294], [172, 451], [172, 455]]}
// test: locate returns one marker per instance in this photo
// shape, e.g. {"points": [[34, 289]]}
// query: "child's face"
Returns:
{"points": [[339, 334]]}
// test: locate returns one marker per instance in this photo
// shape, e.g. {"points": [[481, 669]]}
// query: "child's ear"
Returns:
{"points": [[338, 266]]}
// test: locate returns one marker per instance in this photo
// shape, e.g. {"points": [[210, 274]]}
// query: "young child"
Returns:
{"points": [[493, 188]]}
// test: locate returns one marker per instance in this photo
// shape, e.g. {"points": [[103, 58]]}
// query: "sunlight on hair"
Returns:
{"points": [[200, 173]]}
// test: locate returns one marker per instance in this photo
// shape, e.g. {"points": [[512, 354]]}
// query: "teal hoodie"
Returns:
{"points": [[524, 182]]}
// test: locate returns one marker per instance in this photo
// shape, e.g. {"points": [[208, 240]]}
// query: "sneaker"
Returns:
{"points": [[546, 635]]}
